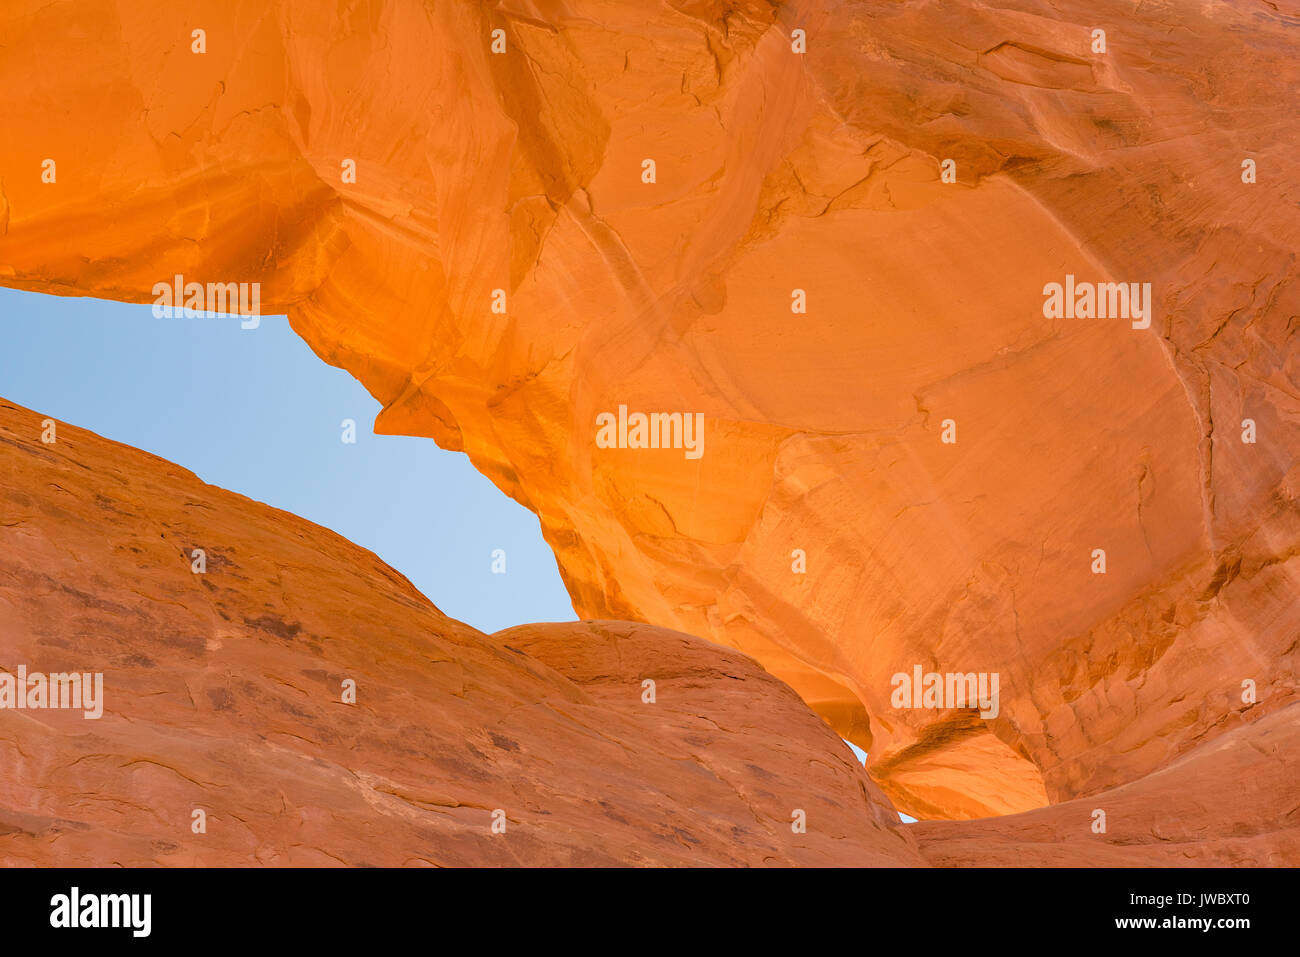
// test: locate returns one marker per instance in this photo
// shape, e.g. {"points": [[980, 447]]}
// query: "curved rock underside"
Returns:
{"points": [[775, 171]]}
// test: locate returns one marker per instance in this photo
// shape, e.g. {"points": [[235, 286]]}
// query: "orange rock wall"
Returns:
{"points": [[775, 171]]}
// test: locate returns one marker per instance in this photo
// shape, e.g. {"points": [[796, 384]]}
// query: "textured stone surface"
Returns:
{"points": [[776, 171], [1230, 802], [222, 691]]}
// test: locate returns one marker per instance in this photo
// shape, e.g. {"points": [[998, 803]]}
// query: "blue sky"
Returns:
{"points": [[255, 411], [862, 759]]}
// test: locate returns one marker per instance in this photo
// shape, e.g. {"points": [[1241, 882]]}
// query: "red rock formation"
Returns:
{"points": [[776, 171], [222, 692], [1230, 802]]}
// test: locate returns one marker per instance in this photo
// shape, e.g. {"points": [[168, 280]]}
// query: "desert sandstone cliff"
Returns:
{"points": [[775, 171]]}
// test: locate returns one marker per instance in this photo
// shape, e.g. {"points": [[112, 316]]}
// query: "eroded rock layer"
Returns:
{"points": [[524, 171], [1230, 802], [223, 693]]}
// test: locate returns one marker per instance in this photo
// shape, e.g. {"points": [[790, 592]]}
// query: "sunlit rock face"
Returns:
{"points": [[224, 692], [774, 171]]}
